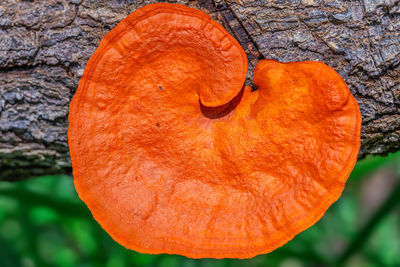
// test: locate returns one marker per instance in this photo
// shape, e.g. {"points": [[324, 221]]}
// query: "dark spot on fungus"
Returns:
{"points": [[157, 124], [160, 87]]}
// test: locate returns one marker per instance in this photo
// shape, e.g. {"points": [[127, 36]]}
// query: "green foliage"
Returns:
{"points": [[43, 223], [371, 164]]}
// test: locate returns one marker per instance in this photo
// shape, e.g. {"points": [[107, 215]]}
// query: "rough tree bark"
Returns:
{"points": [[44, 46]]}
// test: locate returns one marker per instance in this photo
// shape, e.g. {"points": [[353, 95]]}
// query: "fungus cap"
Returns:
{"points": [[236, 174]]}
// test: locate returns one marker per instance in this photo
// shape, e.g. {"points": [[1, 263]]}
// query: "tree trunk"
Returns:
{"points": [[44, 46]]}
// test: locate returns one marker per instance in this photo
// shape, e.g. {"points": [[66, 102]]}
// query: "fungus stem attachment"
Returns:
{"points": [[222, 110]]}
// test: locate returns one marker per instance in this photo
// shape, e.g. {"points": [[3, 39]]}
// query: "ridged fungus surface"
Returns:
{"points": [[173, 155]]}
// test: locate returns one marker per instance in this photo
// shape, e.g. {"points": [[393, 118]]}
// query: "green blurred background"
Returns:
{"points": [[43, 223]]}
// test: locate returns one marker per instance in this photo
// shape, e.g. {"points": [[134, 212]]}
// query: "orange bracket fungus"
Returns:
{"points": [[173, 155]]}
